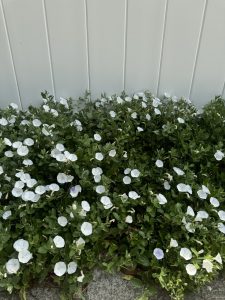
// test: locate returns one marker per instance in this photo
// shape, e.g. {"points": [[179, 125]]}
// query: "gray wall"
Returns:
{"points": [[67, 46]]}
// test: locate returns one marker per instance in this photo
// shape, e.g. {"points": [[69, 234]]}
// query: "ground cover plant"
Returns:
{"points": [[132, 184]]}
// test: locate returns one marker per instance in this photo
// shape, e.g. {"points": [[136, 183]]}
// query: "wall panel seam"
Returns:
{"points": [[125, 44], [198, 49], [11, 54], [49, 48], [162, 46], [87, 45]]}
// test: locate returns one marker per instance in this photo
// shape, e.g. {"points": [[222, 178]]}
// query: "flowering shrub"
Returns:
{"points": [[124, 183]]}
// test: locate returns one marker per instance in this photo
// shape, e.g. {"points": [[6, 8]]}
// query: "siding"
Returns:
{"points": [[69, 46]]}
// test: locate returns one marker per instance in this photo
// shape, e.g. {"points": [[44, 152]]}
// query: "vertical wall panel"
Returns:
{"points": [[67, 36], [144, 39], [184, 18], [106, 24], [210, 68], [29, 47], [8, 88]]}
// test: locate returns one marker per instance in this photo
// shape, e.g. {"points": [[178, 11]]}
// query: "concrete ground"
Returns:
{"points": [[113, 287]]}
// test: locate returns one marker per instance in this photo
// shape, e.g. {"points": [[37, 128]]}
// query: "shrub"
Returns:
{"points": [[123, 183]]}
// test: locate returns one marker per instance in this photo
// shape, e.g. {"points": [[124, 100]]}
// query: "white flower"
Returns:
{"points": [[6, 214], [14, 105], [17, 144], [201, 214], [143, 104], [72, 267], [133, 195], [28, 142], [218, 258], [22, 151], [156, 102], [185, 188], [129, 219], [112, 152], [12, 266], [54, 112], [167, 95], [21, 245], [157, 111], [25, 122], [148, 117], [191, 269], [159, 163], [112, 114], [31, 182], [36, 123], [54, 187], [80, 278], [1, 170], [75, 190], [59, 241], [7, 142], [214, 202], [60, 268], [9, 154], [80, 242], [180, 120], [64, 102], [126, 180], [185, 253], [60, 147], [219, 155], [17, 192], [28, 196], [221, 227], [202, 194], [158, 253], [135, 173], [190, 211], [140, 129], [100, 189], [60, 157], [221, 215], [62, 178], [70, 178], [97, 178], [134, 115], [128, 99], [19, 184], [162, 199], [96, 171], [166, 185], [99, 156], [72, 157], [86, 228], [97, 137], [205, 189], [207, 264], [27, 162], [24, 256], [85, 205], [40, 189], [178, 171], [106, 201], [3, 122], [189, 227], [62, 221], [173, 243], [127, 171], [119, 100]]}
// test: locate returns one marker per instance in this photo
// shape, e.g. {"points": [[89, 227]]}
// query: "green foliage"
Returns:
{"points": [[122, 183]]}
